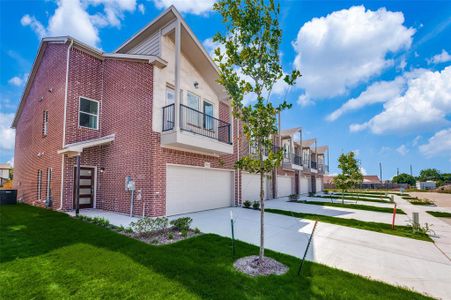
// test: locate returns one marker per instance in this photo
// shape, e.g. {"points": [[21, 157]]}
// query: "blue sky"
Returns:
{"points": [[376, 74]]}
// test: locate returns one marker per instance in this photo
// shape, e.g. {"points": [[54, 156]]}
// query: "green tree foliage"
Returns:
{"points": [[404, 178], [351, 175], [430, 174], [249, 64]]}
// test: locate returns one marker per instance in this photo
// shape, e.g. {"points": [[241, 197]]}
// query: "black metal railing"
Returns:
{"points": [[313, 164], [168, 117], [197, 122]]}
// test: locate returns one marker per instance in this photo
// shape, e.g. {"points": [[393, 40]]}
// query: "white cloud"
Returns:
{"points": [[403, 150], [72, 17], [7, 135], [425, 104], [363, 171], [440, 58], [347, 47], [356, 152], [416, 140], [304, 100], [378, 92], [196, 7], [142, 8], [11, 162], [18, 80], [439, 143]]}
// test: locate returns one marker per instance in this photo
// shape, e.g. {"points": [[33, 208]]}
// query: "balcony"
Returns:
{"points": [[292, 161], [196, 131], [323, 169]]}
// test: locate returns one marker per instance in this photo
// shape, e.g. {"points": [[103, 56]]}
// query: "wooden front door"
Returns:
{"points": [[296, 182], [87, 177]]}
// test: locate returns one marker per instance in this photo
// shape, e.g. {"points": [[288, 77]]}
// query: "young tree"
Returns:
{"points": [[404, 178], [350, 175], [249, 64]]}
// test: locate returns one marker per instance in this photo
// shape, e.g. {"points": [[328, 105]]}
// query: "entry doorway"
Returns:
{"points": [[313, 183], [87, 186]]}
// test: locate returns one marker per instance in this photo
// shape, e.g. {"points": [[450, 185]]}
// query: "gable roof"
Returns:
{"points": [[190, 45], [84, 47]]}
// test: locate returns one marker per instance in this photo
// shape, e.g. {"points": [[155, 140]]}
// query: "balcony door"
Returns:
{"points": [[193, 115]]}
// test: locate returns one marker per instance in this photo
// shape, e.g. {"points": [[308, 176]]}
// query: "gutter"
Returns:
{"points": [[64, 123]]}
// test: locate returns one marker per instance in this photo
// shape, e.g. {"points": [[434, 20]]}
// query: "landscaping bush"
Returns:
{"points": [[247, 204], [182, 224], [256, 205], [147, 225], [293, 197], [311, 194]]}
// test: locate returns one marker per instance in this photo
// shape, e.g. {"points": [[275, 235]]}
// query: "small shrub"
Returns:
{"points": [[326, 192], [256, 205], [182, 223], [293, 197], [247, 204], [100, 221], [184, 233], [170, 236], [148, 225], [311, 194], [196, 230]]}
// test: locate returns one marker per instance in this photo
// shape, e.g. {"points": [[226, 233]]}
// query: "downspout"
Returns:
{"points": [[64, 122], [238, 131]]}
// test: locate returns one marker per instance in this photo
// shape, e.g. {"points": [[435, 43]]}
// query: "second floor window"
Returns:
{"points": [[89, 113], [45, 123]]}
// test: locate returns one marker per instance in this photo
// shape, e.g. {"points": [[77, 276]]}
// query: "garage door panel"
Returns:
{"points": [[250, 184], [304, 184], [195, 189], [284, 186]]}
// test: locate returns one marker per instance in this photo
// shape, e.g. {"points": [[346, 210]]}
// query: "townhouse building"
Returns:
{"points": [[145, 130]]}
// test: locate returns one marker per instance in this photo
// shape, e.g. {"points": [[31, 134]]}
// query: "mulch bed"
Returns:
{"points": [[164, 237], [249, 265]]}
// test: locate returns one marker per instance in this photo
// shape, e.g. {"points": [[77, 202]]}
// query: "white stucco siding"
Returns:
{"points": [[188, 75]]}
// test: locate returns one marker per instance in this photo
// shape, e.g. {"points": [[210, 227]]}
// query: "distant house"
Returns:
{"points": [[426, 185], [4, 173]]}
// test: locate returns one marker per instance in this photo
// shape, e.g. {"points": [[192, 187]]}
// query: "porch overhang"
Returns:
{"points": [[76, 149]]}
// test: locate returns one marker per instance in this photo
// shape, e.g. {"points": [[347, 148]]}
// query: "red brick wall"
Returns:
{"points": [[49, 84]]}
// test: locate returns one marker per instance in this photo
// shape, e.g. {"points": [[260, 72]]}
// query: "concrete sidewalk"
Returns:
{"points": [[400, 261], [441, 230], [339, 212]]}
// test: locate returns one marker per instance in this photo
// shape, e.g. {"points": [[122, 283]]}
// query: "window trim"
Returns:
{"points": [[79, 112], [48, 189]]}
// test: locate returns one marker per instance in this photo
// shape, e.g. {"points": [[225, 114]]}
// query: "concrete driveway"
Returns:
{"points": [[400, 261]]}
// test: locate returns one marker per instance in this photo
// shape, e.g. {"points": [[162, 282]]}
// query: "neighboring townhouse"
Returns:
{"points": [[145, 129], [4, 173]]}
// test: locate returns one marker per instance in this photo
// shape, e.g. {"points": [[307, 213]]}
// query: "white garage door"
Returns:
{"points": [[283, 186], [250, 184], [304, 185], [191, 189], [319, 185]]}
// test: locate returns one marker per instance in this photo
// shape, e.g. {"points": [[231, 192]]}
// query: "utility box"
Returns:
{"points": [[416, 220], [8, 197]]}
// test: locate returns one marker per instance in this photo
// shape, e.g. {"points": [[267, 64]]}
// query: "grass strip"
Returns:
{"points": [[362, 195], [49, 255], [354, 199], [403, 231], [354, 206], [439, 214], [417, 201]]}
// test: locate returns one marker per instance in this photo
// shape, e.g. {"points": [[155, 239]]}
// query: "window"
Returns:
{"points": [[48, 191], [45, 123], [89, 113], [208, 116], [39, 185]]}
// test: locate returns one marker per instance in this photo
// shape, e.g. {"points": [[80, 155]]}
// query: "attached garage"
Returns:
{"points": [[319, 184], [284, 186], [250, 187], [191, 189], [304, 185]]}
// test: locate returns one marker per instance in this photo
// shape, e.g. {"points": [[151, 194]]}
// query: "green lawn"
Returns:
{"points": [[440, 214], [417, 201], [365, 195], [354, 206], [49, 255], [338, 197], [404, 231]]}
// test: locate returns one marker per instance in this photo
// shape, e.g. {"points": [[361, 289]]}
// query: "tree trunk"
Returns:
{"points": [[342, 196], [262, 214]]}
